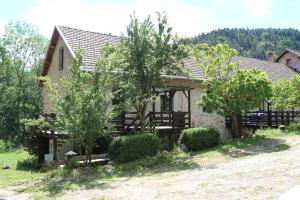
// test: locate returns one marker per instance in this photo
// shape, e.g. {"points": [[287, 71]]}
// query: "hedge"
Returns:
{"points": [[195, 139], [294, 126], [132, 147]]}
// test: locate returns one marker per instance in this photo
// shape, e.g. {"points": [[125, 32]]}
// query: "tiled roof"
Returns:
{"points": [[275, 71], [92, 42]]}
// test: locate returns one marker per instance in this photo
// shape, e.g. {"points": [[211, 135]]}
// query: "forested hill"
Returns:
{"points": [[256, 43]]}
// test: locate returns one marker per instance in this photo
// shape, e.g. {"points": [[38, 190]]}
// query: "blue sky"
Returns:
{"points": [[188, 17]]}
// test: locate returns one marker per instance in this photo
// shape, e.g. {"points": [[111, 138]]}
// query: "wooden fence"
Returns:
{"points": [[261, 119]]}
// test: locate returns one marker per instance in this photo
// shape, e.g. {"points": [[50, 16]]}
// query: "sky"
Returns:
{"points": [[187, 17]]}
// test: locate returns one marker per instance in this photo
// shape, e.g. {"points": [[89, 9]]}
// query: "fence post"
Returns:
{"points": [[269, 118], [276, 118], [288, 117]]}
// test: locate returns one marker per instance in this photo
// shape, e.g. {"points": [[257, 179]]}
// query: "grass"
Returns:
{"points": [[56, 182], [17, 173]]}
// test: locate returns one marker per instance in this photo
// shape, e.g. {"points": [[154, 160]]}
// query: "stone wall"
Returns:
{"points": [[295, 60], [55, 74], [198, 117]]}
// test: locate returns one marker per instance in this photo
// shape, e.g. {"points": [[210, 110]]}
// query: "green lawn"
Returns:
{"points": [[17, 173], [56, 182]]}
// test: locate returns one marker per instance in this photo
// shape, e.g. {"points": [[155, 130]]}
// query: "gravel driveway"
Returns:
{"points": [[261, 176], [266, 175]]}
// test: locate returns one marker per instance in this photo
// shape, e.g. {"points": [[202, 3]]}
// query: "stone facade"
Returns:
{"points": [[55, 74], [290, 59], [198, 117]]}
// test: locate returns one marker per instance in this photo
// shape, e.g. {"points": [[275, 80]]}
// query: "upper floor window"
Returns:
{"points": [[61, 59], [289, 62]]}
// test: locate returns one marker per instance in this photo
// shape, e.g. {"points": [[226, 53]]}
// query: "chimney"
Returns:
{"points": [[270, 57]]}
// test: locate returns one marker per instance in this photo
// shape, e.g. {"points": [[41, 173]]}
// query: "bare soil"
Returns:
{"points": [[259, 173]]}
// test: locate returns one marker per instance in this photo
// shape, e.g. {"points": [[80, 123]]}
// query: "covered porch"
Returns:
{"points": [[161, 116]]}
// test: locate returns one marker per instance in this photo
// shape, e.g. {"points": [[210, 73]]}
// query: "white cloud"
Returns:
{"points": [[111, 17], [220, 2], [258, 8]]}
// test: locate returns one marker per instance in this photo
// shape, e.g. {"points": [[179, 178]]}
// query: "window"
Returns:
{"points": [[164, 103], [289, 62], [61, 59]]}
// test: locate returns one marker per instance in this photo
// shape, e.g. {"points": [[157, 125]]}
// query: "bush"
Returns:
{"points": [[27, 164], [195, 139], [71, 164], [5, 146], [294, 126], [128, 148]]}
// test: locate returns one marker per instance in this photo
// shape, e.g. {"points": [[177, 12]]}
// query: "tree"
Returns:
{"points": [[228, 90], [286, 94], [85, 109], [145, 55], [22, 51], [255, 43]]}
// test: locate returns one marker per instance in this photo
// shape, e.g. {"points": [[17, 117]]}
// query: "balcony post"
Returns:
{"points": [[189, 108]]}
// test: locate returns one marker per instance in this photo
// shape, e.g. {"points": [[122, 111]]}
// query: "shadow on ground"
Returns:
{"points": [[252, 146], [60, 181]]}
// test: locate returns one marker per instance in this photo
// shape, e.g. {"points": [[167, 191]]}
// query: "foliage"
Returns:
{"points": [[228, 90], [22, 49], [85, 109], [294, 126], [71, 164], [132, 147], [146, 55], [6, 146], [27, 164], [255, 43], [35, 142], [195, 139], [286, 94], [283, 95]]}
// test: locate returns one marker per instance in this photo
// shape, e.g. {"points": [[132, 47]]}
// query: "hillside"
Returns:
{"points": [[256, 43]]}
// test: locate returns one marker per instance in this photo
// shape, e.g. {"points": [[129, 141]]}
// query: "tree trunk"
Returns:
{"points": [[240, 124], [88, 156], [142, 118], [234, 125]]}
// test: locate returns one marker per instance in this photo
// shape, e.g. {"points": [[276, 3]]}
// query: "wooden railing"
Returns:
{"points": [[130, 122], [272, 119]]}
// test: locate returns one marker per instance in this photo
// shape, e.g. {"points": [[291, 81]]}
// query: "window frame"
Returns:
{"points": [[61, 59]]}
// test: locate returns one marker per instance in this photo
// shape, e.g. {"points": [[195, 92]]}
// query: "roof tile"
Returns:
{"points": [[92, 42]]}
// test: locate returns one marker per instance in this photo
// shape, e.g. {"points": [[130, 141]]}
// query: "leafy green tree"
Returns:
{"points": [[286, 94], [228, 90], [145, 56], [85, 108], [22, 51]]}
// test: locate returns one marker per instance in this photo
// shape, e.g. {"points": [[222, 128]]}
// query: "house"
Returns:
{"points": [[176, 106], [290, 58]]}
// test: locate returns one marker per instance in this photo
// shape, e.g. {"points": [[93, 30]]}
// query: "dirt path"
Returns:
{"points": [[262, 176], [11, 195]]}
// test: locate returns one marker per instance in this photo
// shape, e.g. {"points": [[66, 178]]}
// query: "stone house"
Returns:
{"points": [[290, 58], [180, 95]]}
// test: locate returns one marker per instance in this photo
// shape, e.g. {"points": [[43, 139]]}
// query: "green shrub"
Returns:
{"points": [[195, 139], [71, 164], [27, 164], [5, 146], [128, 148], [294, 126]]}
